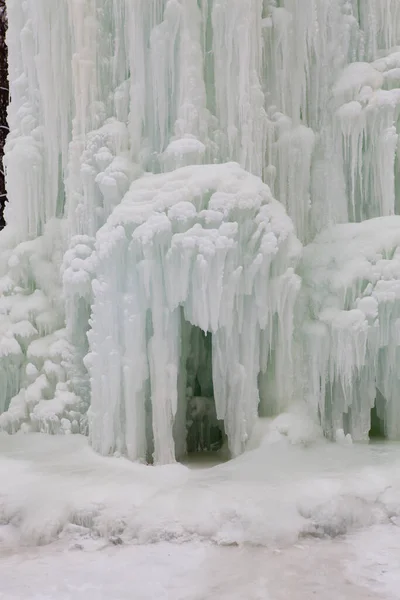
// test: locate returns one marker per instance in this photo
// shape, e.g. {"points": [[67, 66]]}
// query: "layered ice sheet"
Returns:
{"points": [[148, 141]]}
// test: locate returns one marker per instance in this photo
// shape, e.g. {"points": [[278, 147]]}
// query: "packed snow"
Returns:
{"points": [[364, 567], [196, 571]]}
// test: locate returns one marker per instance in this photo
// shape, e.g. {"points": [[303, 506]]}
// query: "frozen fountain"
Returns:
{"points": [[202, 220]]}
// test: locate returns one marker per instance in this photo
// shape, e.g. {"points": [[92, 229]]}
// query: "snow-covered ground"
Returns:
{"points": [[294, 518], [365, 566]]}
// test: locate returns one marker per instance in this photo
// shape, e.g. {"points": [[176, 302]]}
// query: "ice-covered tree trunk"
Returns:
{"points": [[4, 99]]}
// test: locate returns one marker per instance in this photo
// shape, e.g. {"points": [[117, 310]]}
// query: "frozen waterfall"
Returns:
{"points": [[202, 220]]}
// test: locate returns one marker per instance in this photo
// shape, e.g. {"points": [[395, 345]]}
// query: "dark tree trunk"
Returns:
{"points": [[4, 98]]}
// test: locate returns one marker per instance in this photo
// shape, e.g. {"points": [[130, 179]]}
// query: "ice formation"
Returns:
{"points": [[351, 275], [201, 246], [201, 223]]}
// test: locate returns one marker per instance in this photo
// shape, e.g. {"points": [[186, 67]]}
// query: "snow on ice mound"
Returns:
{"points": [[351, 277], [56, 489], [205, 247]]}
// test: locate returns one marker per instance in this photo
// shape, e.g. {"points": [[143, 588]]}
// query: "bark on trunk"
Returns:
{"points": [[4, 99]]}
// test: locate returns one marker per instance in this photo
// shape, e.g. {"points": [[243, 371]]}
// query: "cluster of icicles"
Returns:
{"points": [[201, 226]]}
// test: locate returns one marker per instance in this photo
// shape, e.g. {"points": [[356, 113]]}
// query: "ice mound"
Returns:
{"points": [[206, 247], [297, 426], [351, 277]]}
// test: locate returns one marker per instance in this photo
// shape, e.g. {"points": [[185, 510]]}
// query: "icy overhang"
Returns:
{"points": [[207, 245]]}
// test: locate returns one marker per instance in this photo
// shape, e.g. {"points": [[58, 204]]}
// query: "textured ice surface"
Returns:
{"points": [[351, 276], [203, 246], [324, 569], [154, 148], [362, 568], [291, 485]]}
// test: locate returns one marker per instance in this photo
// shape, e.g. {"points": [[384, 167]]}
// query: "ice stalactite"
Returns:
{"points": [[380, 22], [351, 276], [39, 115], [148, 141]]}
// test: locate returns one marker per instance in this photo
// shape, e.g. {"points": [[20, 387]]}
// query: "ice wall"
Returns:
{"points": [[111, 101]]}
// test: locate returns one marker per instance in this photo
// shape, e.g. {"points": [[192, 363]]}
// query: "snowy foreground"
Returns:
{"points": [[296, 517], [364, 566]]}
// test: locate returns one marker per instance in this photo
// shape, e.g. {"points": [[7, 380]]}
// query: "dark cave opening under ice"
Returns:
{"points": [[205, 432]]}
